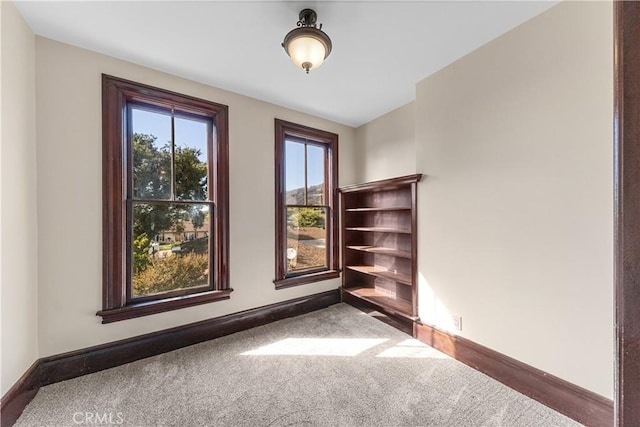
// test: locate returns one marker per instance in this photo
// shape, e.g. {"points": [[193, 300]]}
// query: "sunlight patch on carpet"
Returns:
{"points": [[317, 347], [413, 349]]}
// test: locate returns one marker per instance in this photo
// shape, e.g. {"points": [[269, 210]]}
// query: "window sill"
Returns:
{"points": [[153, 307], [303, 279]]}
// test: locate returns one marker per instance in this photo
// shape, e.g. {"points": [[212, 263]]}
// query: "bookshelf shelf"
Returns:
{"points": [[404, 279], [381, 251], [379, 230]]}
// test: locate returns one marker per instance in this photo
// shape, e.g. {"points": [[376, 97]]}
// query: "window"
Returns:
{"points": [[165, 211], [306, 198]]}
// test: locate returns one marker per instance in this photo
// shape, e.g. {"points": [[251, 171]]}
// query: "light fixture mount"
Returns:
{"points": [[307, 18], [307, 45]]}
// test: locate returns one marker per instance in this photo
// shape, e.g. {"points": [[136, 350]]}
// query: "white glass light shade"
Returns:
{"points": [[307, 45], [307, 50]]}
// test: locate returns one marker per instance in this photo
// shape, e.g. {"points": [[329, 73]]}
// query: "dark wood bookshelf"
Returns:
{"points": [[379, 245]]}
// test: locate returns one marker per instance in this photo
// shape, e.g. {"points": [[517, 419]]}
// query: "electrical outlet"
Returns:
{"points": [[457, 322]]}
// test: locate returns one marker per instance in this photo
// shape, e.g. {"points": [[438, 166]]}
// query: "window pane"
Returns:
{"points": [[315, 175], [151, 137], [294, 167], [306, 239], [170, 247], [191, 159]]}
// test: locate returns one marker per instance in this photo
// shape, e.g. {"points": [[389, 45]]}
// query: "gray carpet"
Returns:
{"points": [[333, 367]]}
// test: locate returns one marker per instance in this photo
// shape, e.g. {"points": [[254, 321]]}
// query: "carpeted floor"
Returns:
{"points": [[333, 367]]}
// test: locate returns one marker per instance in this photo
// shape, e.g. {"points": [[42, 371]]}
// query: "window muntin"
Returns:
{"points": [[165, 168], [306, 218]]}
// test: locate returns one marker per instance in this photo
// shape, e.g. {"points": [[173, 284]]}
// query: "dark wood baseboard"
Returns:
{"points": [[19, 395], [575, 402], [52, 369]]}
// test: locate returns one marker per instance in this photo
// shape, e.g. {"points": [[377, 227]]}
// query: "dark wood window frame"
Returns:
{"points": [[283, 131], [116, 95]]}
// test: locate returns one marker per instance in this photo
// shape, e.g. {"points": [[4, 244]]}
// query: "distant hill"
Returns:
{"points": [[315, 196]]}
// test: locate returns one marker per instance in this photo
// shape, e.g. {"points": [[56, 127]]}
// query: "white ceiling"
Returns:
{"points": [[381, 49]]}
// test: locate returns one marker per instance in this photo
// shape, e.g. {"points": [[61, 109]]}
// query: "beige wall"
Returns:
{"points": [[18, 248], [387, 145], [70, 187], [516, 222]]}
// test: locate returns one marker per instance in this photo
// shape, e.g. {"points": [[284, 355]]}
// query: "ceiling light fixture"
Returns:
{"points": [[307, 46]]}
